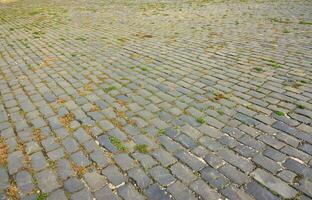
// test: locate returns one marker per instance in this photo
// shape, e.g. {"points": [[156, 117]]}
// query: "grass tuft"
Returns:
{"points": [[142, 148], [279, 113]]}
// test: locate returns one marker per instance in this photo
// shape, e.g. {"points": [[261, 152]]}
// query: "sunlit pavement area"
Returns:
{"points": [[146, 99]]}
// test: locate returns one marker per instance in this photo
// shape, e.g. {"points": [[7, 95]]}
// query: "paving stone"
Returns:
{"points": [[274, 183], [31, 147], [38, 161], [73, 185], [191, 160], [274, 154], [94, 180], [80, 159], [145, 160], [287, 176], [214, 178], [296, 153], [297, 167], [141, 179], [164, 157], [259, 192], [202, 189], [64, 169], [154, 192], [24, 182], [161, 175], [47, 181], [128, 192], [237, 161], [232, 192], [113, 174], [183, 173], [233, 174], [84, 194], [49, 144], [56, 154], [57, 195], [100, 158], [124, 161], [180, 191], [15, 162], [105, 193], [267, 163], [4, 179], [70, 144]]}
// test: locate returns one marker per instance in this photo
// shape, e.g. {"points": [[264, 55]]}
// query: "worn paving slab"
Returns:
{"points": [[148, 99]]}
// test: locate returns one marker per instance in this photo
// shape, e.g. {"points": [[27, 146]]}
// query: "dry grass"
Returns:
{"points": [[82, 93], [80, 171], [87, 87], [12, 192], [3, 152], [37, 136], [60, 101], [132, 122], [66, 120], [7, 1], [117, 124], [95, 108], [121, 103], [87, 129], [143, 35]]}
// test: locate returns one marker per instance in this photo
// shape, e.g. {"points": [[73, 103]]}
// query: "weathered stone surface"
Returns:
{"points": [[274, 183], [156, 100]]}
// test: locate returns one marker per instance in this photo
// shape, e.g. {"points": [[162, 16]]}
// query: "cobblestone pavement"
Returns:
{"points": [[155, 99]]}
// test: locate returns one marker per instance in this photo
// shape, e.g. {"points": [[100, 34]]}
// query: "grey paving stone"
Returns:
{"points": [[180, 191], [267, 163], [57, 195], [164, 157], [56, 154], [154, 192], [94, 180], [47, 181], [70, 144], [214, 178], [32, 147], [73, 184], [183, 173], [161, 175], [233, 174], [4, 179], [297, 167], [141, 179], [274, 183], [84, 194], [259, 192], [15, 162], [80, 159], [99, 158], [38, 161], [124, 161], [205, 192], [105, 193], [64, 169], [24, 182], [128, 192], [191, 160], [232, 192], [241, 163], [145, 160], [113, 174]]}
